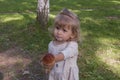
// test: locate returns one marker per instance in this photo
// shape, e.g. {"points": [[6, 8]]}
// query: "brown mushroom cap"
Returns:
{"points": [[48, 59]]}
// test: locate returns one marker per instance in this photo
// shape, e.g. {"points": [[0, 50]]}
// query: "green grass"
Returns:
{"points": [[100, 25]]}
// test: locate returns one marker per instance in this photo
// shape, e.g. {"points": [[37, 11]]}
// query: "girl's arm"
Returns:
{"points": [[70, 51], [59, 57]]}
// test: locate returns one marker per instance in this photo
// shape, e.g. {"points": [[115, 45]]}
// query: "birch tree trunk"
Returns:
{"points": [[42, 12]]}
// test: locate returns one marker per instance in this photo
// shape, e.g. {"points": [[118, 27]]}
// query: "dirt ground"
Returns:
{"points": [[15, 64]]}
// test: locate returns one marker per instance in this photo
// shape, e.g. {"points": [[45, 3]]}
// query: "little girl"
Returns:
{"points": [[65, 47]]}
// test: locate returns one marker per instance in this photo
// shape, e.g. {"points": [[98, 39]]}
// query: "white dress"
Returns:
{"points": [[66, 69]]}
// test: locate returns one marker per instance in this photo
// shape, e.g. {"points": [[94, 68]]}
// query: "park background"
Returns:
{"points": [[23, 40]]}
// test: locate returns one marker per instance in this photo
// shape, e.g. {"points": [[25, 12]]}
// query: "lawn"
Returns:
{"points": [[23, 41]]}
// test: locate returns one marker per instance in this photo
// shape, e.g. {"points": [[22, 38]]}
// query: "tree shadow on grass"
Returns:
{"points": [[91, 67], [17, 6], [24, 44], [93, 29]]}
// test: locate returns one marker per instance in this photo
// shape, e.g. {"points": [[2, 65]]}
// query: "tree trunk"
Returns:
{"points": [[42, 12]]}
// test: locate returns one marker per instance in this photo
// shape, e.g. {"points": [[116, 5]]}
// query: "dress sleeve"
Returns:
{"points": [[71, 50], [49, 47]]}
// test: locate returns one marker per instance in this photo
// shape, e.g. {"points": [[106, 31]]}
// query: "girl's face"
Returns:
{"points": [[62, 34]]}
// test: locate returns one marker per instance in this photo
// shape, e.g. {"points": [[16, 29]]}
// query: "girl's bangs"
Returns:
{"points": [[62, 23]]}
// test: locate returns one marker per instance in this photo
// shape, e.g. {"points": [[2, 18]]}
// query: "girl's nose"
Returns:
{"points": [[59, 31]]}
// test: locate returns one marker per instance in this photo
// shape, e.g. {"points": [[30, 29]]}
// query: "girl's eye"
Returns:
{"points": [[57, 27], [64, 30]]}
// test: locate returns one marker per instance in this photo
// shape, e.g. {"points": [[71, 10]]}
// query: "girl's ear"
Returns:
{"points": [[72, 36]]}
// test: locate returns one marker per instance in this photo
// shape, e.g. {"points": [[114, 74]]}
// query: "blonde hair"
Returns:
{"points": [[68, 19]]}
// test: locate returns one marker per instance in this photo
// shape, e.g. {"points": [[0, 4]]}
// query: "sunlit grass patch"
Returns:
{"points": [[13, 18], [10, 17], [52, 16], [109, 54], [116, 2]]}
